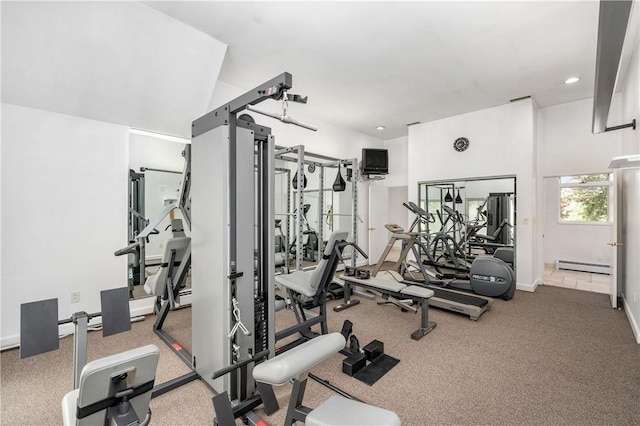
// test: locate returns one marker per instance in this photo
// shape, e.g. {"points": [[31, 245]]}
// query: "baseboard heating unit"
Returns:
{"points": [[571, 265]]}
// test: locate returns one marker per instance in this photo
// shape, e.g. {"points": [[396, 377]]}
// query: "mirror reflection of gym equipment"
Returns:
{"points": [[443, 250], [150, 192], [451, 217], [469, 218], [324, 190]]}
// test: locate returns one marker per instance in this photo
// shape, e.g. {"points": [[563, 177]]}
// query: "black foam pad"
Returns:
{"points": [[38, 327], [116, 317]]}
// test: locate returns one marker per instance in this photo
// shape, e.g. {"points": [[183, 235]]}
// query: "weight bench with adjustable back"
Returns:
{"points": [[307, 289]]}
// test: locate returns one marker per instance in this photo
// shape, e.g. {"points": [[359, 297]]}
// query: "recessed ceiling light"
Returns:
{"points": [[379, 127], [572, 80]]}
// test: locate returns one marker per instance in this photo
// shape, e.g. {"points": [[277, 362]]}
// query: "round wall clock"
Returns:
{"points": [[461, 144]]}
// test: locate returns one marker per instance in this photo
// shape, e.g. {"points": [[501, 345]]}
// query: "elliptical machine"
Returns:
{"points": [[488, 276]]}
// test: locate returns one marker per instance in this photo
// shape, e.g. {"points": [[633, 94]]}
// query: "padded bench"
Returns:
{"points": [[335, 411], [419, 295]]}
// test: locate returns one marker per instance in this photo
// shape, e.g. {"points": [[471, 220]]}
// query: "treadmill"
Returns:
{"points": [[458, 301], [450, 299]]}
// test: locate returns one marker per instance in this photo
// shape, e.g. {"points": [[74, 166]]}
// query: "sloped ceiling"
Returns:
{"points": [[364, 64], [119, 62]]}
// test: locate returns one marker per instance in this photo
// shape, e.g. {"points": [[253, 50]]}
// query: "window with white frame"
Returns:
{"points": [[584, 198]]}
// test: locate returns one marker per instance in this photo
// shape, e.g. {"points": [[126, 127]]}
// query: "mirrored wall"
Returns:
{"points": [[477, 215], [155, 177], [322, 207]]}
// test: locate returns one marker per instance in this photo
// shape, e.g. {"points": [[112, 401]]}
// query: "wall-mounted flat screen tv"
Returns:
{"points": [[375, 161]]}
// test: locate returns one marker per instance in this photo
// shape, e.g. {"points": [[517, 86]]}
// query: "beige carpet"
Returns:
{"points": [[557, 356]]}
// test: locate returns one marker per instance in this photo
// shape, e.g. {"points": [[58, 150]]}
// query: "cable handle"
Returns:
{"points": [[238, 324]]}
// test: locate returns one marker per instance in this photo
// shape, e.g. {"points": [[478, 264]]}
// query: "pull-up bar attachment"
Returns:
{"points": [[282, 117]]}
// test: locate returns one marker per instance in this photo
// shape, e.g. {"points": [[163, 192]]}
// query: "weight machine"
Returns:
{"points": [[233, 246]]}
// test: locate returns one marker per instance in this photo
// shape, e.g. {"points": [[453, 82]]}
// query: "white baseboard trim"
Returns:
{"points": [[142, 306], [10, 342], [634, 324], [528, 287]]}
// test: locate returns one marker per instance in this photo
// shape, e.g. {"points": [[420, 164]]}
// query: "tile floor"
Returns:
{"points": [[597, 283]]}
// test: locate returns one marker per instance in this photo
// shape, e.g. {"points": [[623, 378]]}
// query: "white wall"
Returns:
{"points": [[398, 161], [398, 180], [630, 185], [501, 143], [566, 144], [398, 213], [64, 183]]}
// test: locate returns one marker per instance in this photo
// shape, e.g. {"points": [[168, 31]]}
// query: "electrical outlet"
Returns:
{"points": [[75, 297], [635, 297]]}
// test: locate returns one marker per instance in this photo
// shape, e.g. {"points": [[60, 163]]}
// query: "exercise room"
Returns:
{"points": [[323, 213]]}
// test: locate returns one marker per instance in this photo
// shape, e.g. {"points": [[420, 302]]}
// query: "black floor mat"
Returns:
{"points": [[376, 369]]}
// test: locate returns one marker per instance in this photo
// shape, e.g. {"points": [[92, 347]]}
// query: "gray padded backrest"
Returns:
{"points": [[316, 277], [180, 245], [95, 380]]}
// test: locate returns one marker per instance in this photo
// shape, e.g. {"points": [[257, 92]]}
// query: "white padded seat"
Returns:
{"points": [[339, 411], [298, 281], [306, 283], [387, 284], [382, 284], [96, 384], [155, 284], [279, 370], [414, 290]]}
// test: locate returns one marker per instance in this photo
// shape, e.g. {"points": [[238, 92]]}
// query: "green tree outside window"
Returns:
{"points": [[584, 198]]}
